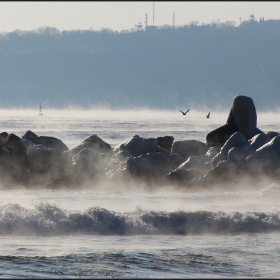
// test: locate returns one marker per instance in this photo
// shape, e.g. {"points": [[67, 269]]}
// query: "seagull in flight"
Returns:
{"points": [[184, 113], [208, 115]]}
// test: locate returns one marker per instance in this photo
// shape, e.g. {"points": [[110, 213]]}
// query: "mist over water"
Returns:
{"points": [[113, 126], [128, 231], [73, 125]]}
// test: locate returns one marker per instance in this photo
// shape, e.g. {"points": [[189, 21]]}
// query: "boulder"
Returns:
{"points": [[182, 176], [272, 134], [102, 146], [145, 168], [138, 146], [88, 145], [239, 154], [47, 141], [165, 142], [265, 159], [242, 118], [187, 148], [235, 140], [13, 159], [89, 163], [3, 138]]}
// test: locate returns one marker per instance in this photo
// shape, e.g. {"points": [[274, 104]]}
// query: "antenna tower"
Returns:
{"points": [[146, 20], [153, 13], [173, 19]]}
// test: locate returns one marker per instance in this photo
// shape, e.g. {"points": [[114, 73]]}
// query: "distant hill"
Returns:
{"points": [[164, 68]]}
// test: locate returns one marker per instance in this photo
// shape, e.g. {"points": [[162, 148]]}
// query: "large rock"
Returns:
{"points": [[13, 159], [166, 142], [89, 164], [272, 134], [265, 159], [146, 168], [47, 141], [222, 176], [44, 165], [88, 145], [239, 154], [181, 176], [187, 148], [3, 138], [235, 140], [188, 170], [102, 146], [138, 146], [242, 118]]}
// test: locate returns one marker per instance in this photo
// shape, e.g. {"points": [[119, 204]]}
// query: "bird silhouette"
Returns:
{"points": [[208, 115], [184, 113]]}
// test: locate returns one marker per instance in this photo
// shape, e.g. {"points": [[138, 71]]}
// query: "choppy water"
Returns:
{"points": [[166, 234]]}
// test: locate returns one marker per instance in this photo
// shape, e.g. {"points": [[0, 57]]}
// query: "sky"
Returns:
{"points": [[125, 15]]}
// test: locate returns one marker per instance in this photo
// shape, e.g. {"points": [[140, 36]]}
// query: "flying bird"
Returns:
{"points": [[208, 115], [184, 113]]}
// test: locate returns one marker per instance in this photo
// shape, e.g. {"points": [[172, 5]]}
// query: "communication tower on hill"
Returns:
{"points": [[153, 13], [151, 27], [146, 21]]}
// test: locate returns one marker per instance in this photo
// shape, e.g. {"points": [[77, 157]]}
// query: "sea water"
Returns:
{"points": [[90, 233]]}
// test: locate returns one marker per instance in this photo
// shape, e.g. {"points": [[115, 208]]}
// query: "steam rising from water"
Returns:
{"points": [[73, 125], [113, 126], [128, 228], [101, 113]]}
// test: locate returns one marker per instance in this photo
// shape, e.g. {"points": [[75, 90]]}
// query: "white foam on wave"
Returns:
{"points": [[50, 220]]}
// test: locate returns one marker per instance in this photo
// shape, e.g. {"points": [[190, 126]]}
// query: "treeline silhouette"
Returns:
{"points": [[170, 67]]}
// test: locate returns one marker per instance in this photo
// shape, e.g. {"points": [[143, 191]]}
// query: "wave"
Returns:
{"points": [[49, 220]]}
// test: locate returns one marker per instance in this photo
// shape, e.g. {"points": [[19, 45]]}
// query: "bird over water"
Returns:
{"points": [[184, 113]]}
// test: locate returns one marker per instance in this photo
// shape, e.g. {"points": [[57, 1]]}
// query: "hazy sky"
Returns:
{"points": [[125, 15]]}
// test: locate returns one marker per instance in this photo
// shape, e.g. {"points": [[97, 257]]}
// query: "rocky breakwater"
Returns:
{"points": [[233, 154]]}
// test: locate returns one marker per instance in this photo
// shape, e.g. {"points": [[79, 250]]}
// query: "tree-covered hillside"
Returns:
{"points": [[166, 68]]}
